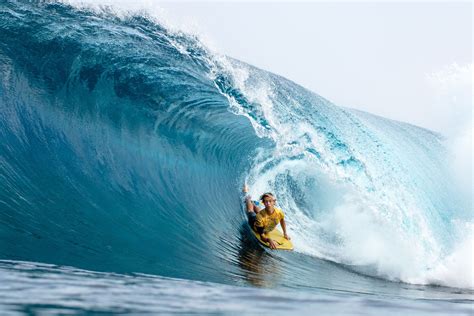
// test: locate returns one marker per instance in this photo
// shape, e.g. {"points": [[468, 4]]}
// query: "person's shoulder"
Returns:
{"points": [[280, 211]]}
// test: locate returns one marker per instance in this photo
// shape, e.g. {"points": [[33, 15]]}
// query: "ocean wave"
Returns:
{"points": [[124, 145]]}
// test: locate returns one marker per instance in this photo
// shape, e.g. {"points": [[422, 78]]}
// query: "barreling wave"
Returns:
{"points": [[123, 147]]}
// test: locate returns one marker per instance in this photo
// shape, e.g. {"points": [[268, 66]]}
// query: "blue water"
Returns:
{"points": [[123, 149]]}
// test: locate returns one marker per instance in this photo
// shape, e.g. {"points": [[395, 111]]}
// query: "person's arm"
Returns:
{"points": [[270, 241], [260, 230], [283, 226]]}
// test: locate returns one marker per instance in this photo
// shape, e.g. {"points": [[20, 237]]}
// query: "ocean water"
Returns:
{"points": [[123, 149]]}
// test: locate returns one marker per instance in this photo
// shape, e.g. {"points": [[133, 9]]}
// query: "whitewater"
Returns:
{"points": [[124, 145]]}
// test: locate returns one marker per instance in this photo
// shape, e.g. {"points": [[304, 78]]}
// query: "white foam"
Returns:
{"points": [[455, 269], [154, 10]]}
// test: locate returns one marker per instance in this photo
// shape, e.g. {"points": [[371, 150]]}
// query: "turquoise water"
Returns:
{"points": [[123, 149]]}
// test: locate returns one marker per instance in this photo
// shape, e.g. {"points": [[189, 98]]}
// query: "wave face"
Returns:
{"points": [[123, 147]]}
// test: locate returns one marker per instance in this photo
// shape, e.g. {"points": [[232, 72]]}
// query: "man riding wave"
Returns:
{"points": [[264, 221]]}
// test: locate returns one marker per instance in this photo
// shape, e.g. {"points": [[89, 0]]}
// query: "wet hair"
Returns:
{"points": [[268, 194]]}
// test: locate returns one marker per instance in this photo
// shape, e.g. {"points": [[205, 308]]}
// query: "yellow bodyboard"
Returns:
{"points": [[276, 235]]}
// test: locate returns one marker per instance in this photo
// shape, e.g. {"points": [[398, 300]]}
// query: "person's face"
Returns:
{"points": [[269, 202]]}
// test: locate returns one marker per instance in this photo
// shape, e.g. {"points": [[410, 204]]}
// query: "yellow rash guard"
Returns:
{"points": [[268, 221]]}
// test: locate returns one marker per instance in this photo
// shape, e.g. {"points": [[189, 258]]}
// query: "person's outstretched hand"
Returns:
{"points": [[272, 243]]}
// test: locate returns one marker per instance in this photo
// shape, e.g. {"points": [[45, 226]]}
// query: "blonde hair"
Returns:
{"points": [[268, 194]]}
